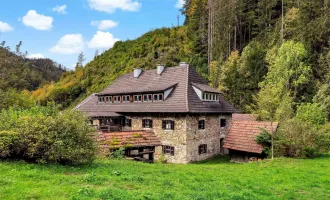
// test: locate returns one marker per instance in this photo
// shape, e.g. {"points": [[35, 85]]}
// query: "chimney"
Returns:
{"points": [[160, 69], [184, 64], [137, 73]]}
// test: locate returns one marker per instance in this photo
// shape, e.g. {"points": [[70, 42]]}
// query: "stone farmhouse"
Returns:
{"points": [[170, 113]]}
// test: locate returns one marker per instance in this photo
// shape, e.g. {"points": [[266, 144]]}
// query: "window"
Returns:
{"points": [[155, 97], [204, 98], [168, 125], [128, 122], [126, 98], [223, 122], [169, 150], [158, 97], [201, 124], [147, 97], [146, 123], [101, 100], [116, 99], [137, 98], [202, 149]]}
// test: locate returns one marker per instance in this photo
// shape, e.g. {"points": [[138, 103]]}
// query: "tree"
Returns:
{"points": [[18, 48], [3, 43], [81, 59], [96, 53], [287, 76]]}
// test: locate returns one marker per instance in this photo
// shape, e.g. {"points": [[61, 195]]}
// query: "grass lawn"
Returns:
{"points": [[213, 179]]}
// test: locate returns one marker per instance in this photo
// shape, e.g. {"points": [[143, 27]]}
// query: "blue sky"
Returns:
{"points": [[61, 29]]}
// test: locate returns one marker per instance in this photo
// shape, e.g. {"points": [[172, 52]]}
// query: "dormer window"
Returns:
{"points": [[126, 98], [137, 98], [210, 97], [147, 98], [107, 100], [158, 97], [101, 100], [116, 99]]}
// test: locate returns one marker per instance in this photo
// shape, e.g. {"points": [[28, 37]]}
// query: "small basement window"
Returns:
{"points": [[168, 124], [201, 124], [202, 149], [146, 123], [223, 122], [169, 150]]}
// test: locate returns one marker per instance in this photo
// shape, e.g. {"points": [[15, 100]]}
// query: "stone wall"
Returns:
{"points": [[186, 138], [175, 138], [210, 136]]}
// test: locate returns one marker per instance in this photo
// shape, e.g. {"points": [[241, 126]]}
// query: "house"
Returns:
{"points": [[240, 140], [190, 118]]}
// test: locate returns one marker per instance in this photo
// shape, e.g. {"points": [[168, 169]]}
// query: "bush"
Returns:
{"points": [[46, 135], [10, 145], [296, 138]]}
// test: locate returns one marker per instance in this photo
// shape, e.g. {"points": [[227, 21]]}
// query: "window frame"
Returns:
{"points": [[126, 98], [101, 99], [128, 122], [147, 99], [201, 126], [116, 99], [138, 97], [147, 123], [168, 124], [202, 149], [223, 122], [168, 150]]}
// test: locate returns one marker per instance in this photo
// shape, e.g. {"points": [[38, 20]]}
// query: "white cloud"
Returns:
{"points": [[104, 24], [69, 44], [179, 4], [37, 55], [4, 27], [110, 6], [37, 21], [60, 9], [102, 40]]}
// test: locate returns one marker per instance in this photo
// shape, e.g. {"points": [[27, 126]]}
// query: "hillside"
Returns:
{"points": [[166, 46], [20, 73]]}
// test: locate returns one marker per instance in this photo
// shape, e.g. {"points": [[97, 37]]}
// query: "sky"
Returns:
{"points": [[61, 29]]}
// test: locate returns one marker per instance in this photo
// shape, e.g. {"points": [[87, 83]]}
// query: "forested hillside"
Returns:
{"points": [[20, 73], [253, 53]]}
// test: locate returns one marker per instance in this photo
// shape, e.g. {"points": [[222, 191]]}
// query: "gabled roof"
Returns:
{"points": [[205, 88], [115, 140], [242, 134], [183, 98]]}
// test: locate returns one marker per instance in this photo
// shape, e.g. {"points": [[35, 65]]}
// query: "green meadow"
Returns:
{"points": [[217, 178]]}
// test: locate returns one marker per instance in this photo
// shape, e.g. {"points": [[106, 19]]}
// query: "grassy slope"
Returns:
{"points": [[214, 179]]}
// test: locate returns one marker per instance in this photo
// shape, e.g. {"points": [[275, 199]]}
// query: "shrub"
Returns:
{"points": [[46, 135], [296, 138], [9, 144]]}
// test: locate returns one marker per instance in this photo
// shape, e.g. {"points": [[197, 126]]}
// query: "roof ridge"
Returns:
{"points": [[187, 89]]}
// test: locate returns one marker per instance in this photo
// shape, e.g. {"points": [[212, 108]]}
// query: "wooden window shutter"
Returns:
{"points": [[172, 151], [164, 124], [150, 123], [172, 125], [143, 123]]}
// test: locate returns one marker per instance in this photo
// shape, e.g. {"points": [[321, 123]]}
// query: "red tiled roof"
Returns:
{"points": [[243, 117], [128, 139], [242, 134]]}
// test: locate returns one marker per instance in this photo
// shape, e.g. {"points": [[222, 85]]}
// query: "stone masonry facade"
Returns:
{"points": [[186, 137]]}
